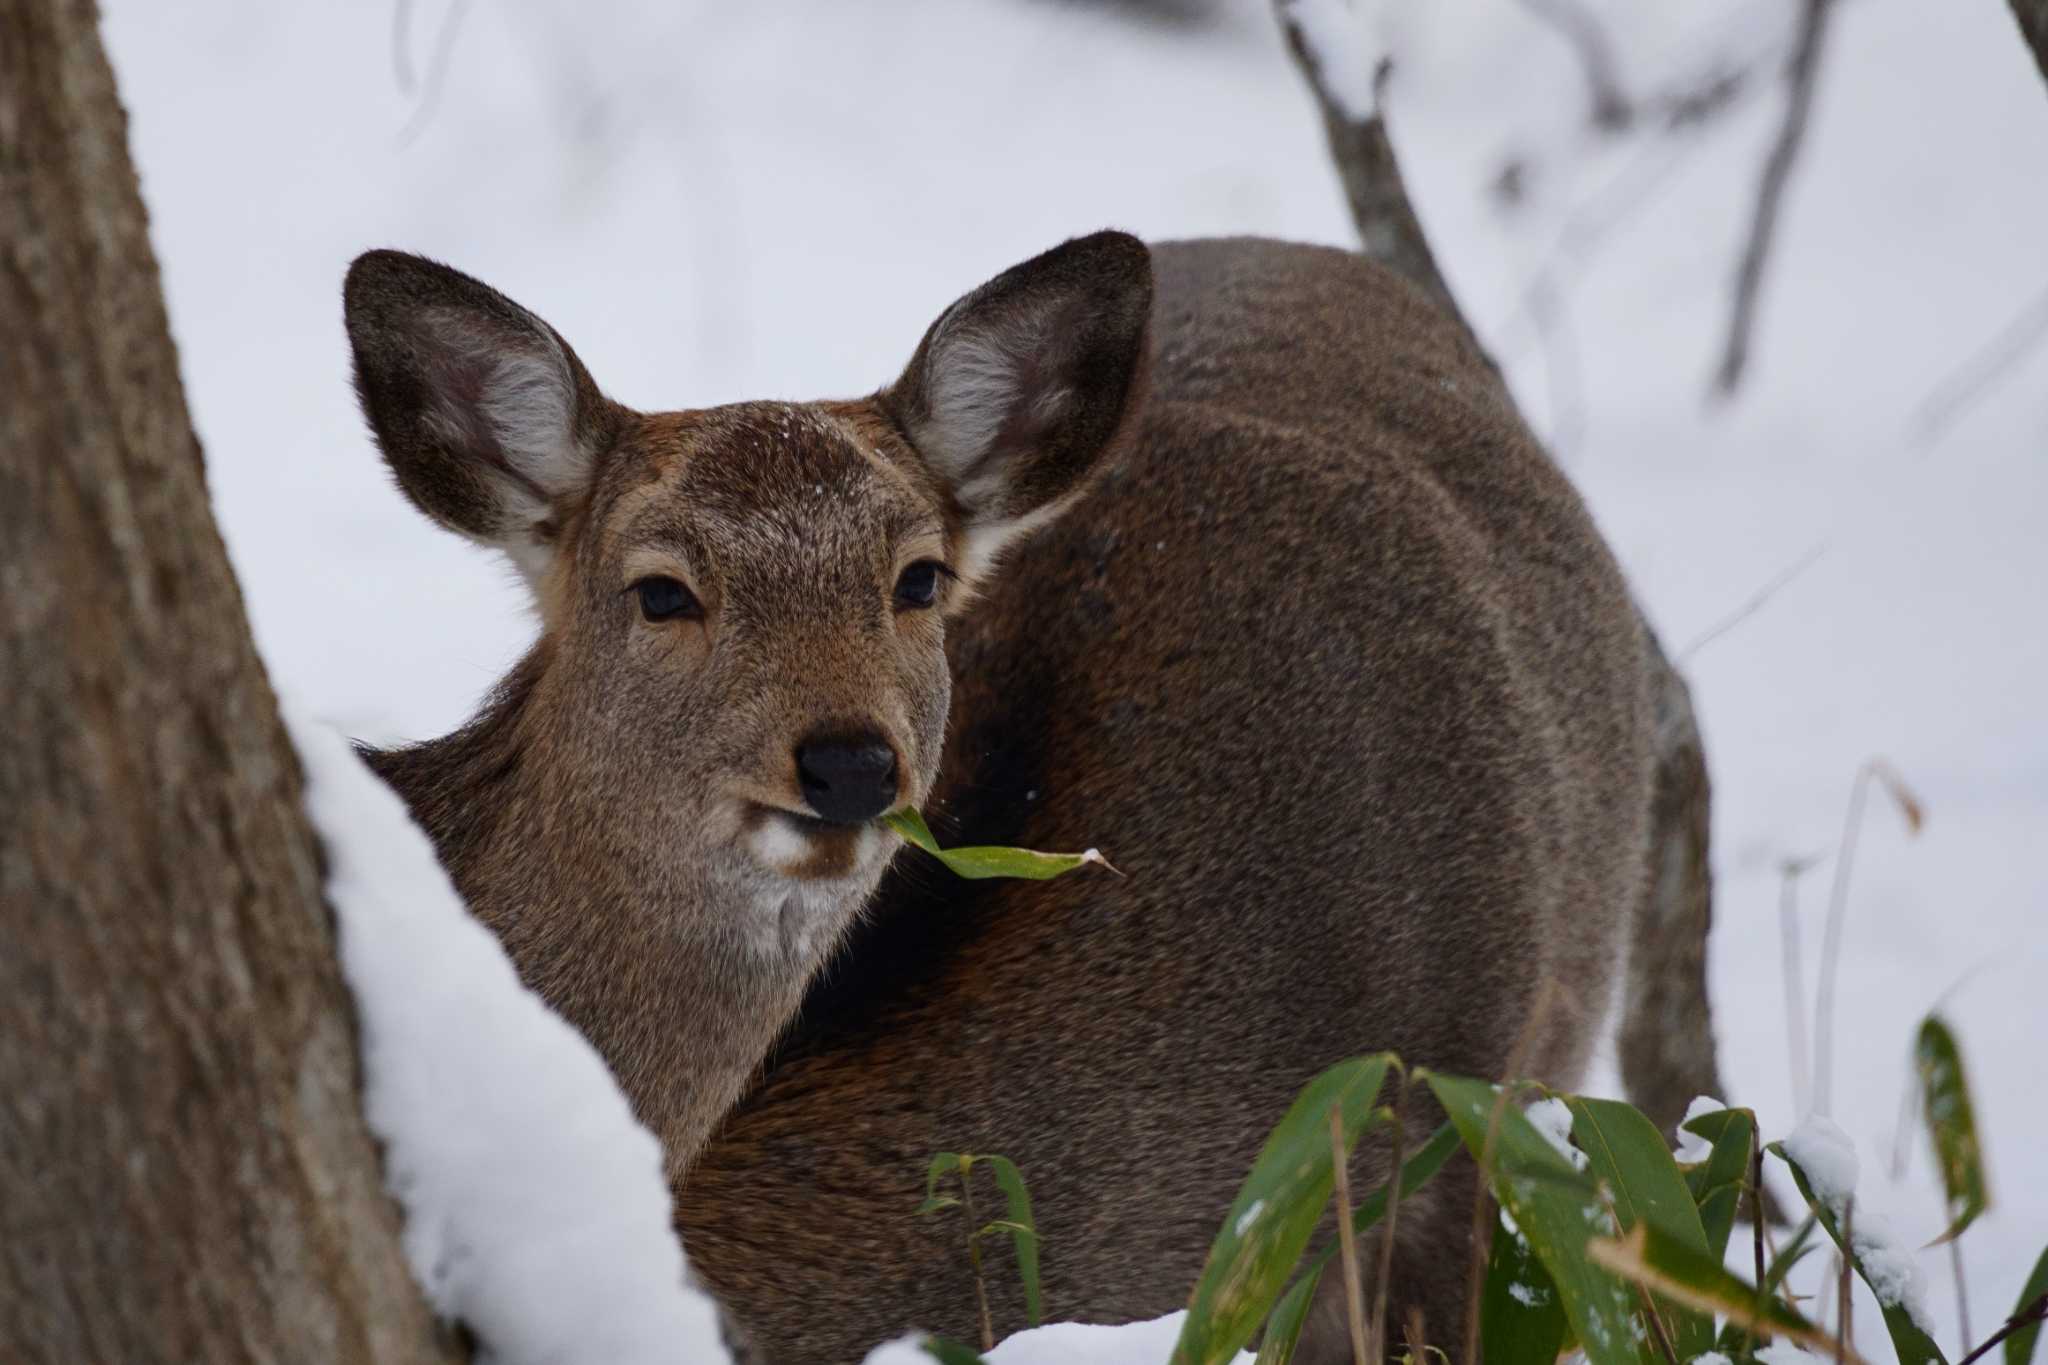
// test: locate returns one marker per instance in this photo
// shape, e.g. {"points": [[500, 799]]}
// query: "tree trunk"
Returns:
{"points": [[184, 1170]]}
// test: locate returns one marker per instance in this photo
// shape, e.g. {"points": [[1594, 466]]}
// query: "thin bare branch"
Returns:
{"points": [[1955, 1255], [1549, 996], [1756, 603], [1801, 73], [437, 72], [1611, 111], [1347, 1237], [2033, 20], [1875, 770], [1845, 1321], [1385, 217], [2036, 1311], [401, 46], [1795, 995], [1970, 381], [1391, 1228]]}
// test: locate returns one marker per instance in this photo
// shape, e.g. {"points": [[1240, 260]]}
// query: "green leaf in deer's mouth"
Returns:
{"points": [[988, 861]]}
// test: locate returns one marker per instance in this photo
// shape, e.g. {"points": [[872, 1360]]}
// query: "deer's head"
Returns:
{"points": [[743, 609]]}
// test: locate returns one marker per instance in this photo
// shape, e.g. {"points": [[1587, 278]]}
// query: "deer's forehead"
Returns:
{"points": [[764, 481]]}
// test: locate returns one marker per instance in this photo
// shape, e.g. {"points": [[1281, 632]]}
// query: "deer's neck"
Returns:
{"points": [[646, 952]]}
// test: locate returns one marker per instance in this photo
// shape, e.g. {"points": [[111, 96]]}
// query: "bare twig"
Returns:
{"points": [[1955, 1255], [1784, 579], [1756, 1210], [1642, 1289], [1963, 386], [2036, 1311], [1800, 78], [1831, 946], [2033, 20], [401, 45], [1838, 905], [1561, 365], [988, 1331], [1548, 996], [1790, 872], [437, 72], [1418, 1345], [1611, 109], [1347, 1238], [1844, 1322], [1380, 208], [1378, 1344]]}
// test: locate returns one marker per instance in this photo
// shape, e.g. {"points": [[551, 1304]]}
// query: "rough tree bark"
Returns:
{"points": [[184, 1170]]}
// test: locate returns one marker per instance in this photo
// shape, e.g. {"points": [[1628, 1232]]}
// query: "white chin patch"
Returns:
{"points": [[777, 843]]}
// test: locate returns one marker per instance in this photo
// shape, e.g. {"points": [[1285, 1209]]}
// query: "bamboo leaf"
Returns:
{"points": [[1521, 1317], [1283, 1328], [942, 1165], [1558, 1208], [1719, 1183], [2019, 1347], [950, 1352], [1276, 1211], [1023, 1229], [1630, 1157], [983, 862], [1909, 1339], [1684, 1274], [1952, 1124]]}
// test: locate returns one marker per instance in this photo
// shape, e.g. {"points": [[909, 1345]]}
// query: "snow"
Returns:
{"points": [[1828, 1157], [1068, 1343], [1249, 1216], [1711, 1358], [715, 201], [1692, 1148], [1528, 1295], [1553, 1119], [1785, 1353], [536, 1210]]}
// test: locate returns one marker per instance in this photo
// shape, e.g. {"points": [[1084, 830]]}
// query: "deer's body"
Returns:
{"points": [[1327, 657]]}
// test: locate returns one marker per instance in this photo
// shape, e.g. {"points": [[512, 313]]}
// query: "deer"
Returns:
{"points": [[1231, 557]]}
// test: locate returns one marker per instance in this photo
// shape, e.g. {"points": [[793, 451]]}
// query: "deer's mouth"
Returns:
{"points": [[803, 846]]}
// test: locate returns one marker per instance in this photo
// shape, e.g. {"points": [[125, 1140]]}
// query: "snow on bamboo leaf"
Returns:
{"points": [[1952, 1124], [1824, 1166], [981, 863], [1556, 1206], [1720, 1181]]}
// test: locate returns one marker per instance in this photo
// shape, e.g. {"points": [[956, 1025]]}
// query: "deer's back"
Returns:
{"points": [[1336, 670]]}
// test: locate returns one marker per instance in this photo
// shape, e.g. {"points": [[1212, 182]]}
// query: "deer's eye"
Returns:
{"points": [[665, 599], [918, 585]]}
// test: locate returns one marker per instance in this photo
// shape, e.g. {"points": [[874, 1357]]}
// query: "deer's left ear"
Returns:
{"points": [[1022, 388]]}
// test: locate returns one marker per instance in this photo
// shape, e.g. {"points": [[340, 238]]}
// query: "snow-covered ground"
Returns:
{"points": [[718, 200]]}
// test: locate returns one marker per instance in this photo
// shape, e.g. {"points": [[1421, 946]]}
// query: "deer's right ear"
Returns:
{"points": [[491, 424]]}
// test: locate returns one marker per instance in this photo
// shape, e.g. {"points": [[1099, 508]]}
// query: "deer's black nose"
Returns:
{"points": [[847, 779]]}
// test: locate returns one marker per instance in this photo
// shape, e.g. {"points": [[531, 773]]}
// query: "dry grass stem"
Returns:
{"points": [[1347, 1239]]}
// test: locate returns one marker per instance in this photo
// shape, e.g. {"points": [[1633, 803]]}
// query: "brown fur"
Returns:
{"points": [[1325, 654]]}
